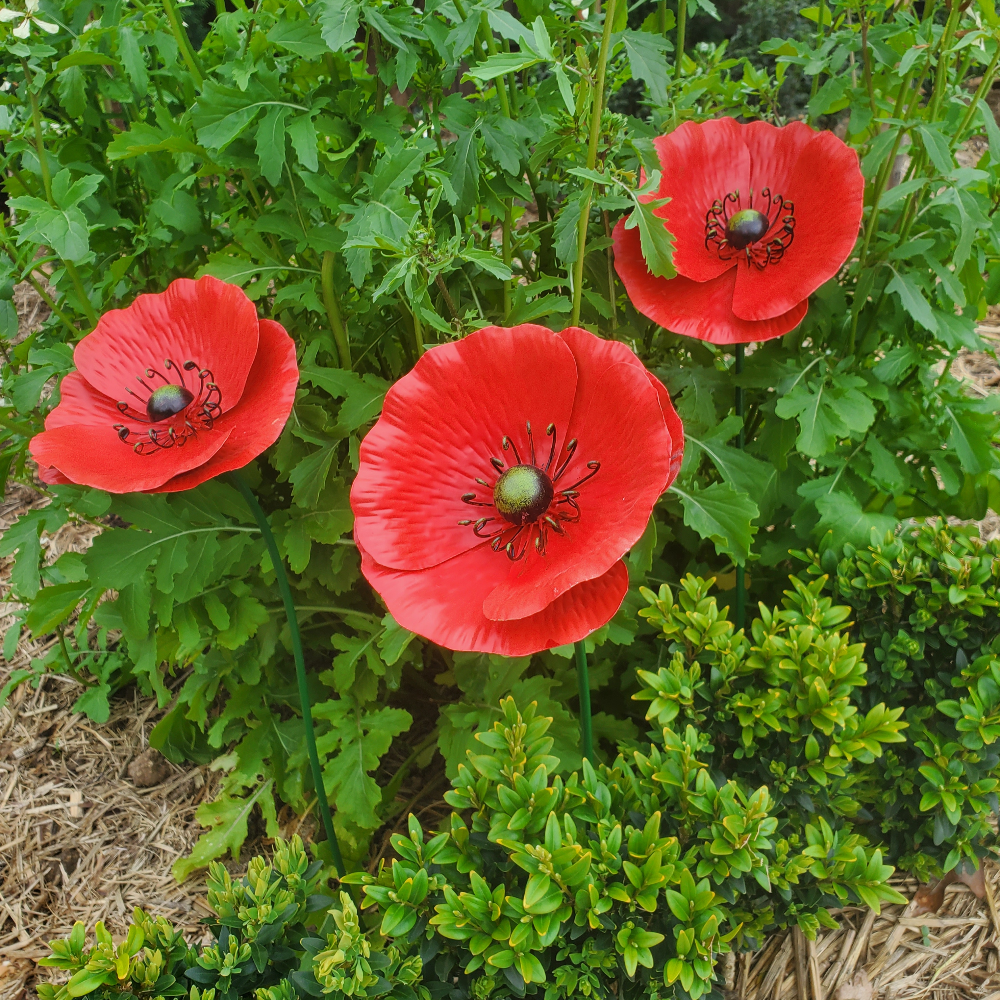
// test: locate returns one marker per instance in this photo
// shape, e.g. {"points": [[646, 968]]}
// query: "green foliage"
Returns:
{"points": [[609, 882], [380, 177], [926, 605]]}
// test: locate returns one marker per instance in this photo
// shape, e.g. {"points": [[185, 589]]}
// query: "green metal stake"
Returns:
{"points": [[300, 666], [583, 679], [741, 592]]}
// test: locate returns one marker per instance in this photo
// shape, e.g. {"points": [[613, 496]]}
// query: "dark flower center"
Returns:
{"points": [[522, 494], [747, 227], [527, 499], [167, 400], [197, 406], [734, 227]]}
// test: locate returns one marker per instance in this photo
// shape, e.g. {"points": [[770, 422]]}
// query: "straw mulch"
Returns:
{"points": [[91, 821], [950, 954]]}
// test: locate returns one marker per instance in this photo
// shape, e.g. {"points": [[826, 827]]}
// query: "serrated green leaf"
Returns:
{"points": [[723, 515]]}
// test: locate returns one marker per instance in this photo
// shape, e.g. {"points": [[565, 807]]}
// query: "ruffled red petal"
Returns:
{"points": [[52, 476], [93, 456], [440, 425], [700, 163], [701, 309], [206, 321], [257, 421], [80, 404], [618, 422], [444, 604], [820, 175]]}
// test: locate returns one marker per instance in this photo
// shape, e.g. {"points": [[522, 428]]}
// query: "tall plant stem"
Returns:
{"points": [[596, 110], [43, 166], [981, 91], [188, 54], [741, 584], [820, 36], [682, 16], [333, 311], [300, 666], [583, 680]]}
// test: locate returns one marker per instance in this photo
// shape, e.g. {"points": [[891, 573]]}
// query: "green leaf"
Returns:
{"points": [[53, 605], [722, 515], [302, 132], [501, 64], [937, 148], [842, 514], [362, 395], [132, 59], [271, 143], [227, 819], [565, 230], [489, 262], [301, 37], [912, 298], [394, 640], [656, 240], [647, 59], [338, 21]]}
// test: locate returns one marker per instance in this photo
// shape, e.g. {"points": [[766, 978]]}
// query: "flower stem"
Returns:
{"points": [[596, 110], [682, 15], [583, 679], [183, 42], [741, 584], [43, 166], [333, 311], [300, 666]]}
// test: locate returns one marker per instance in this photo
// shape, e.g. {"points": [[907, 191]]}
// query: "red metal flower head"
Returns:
{"points": [[506, 478], [761, 217], [175, 389]]}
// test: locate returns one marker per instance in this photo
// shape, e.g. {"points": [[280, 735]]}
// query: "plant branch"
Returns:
{"points": [[333, 311], [596, 110]]}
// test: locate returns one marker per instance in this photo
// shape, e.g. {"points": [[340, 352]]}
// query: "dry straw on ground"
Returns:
{"points": [[91, 821]]}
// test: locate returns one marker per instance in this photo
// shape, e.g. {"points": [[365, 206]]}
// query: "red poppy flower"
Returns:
{"points": [[506, 478], [761, 217], [175, 389]]}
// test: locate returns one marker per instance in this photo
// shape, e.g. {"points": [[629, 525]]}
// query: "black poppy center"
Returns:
{"points": [[522, 494], [167, 400], [746, 227]]}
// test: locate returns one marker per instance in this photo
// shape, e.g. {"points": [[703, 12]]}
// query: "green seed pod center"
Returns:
{"points": [[522, 494], [167, 401], [746, 227]]}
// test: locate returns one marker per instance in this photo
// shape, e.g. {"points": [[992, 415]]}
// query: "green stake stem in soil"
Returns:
{"points": [[300, 666], [741, 593], [583, 679]]}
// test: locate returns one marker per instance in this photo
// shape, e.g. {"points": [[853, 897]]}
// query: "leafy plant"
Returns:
{"points": [[381, 177]]}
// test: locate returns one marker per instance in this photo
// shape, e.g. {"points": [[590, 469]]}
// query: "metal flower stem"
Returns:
{"points": [[583, 679], [300, 667], [741, 593]]}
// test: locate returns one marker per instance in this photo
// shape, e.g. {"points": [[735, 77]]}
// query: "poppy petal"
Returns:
{"points": [[618, 422], [701, 309], [444, 604], [80, 404], [206, 321], [440, 425], [257, 421], [820, 175], [94, 456], [700, 163]]}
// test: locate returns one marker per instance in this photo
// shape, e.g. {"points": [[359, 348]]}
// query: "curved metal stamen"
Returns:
{"points": [[497, 464], [551, 432], [512, 553], [470, 499], [531, 441], [509, 445], [570, 451], [168, 364], [595, 467], [199, 415], [482, 482], [776, 239]]}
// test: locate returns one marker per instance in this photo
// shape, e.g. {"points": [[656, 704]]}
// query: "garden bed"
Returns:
{"points": [[91, 821]]}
